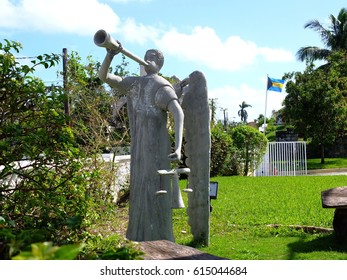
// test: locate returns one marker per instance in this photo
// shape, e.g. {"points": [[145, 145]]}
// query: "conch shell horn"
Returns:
{"points": [[104, 40]]}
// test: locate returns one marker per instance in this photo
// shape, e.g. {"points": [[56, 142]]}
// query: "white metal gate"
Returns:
{"points": [[284, 159]]}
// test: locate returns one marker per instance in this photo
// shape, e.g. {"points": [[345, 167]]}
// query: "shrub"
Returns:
{"points": [[221, 146], [50, 188], [250, 145]]}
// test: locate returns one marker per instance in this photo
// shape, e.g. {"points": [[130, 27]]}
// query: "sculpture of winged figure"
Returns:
{"points": [[149, 99]]}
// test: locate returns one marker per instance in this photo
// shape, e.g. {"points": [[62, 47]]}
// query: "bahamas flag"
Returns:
{"points": [[274, 84]]}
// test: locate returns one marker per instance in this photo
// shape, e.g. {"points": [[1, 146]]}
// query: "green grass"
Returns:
{"points": [[329, 163], [245, 208]]}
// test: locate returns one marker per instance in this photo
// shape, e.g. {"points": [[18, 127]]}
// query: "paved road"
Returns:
{"points": [[326, 172]]}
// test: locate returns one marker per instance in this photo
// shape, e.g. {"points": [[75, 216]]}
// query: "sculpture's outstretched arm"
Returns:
{"points": [[104, 75]]}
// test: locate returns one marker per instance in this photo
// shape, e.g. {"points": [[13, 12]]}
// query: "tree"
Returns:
{"points": [[334, 38], [250, 147], [316, 101], [242, 112]]}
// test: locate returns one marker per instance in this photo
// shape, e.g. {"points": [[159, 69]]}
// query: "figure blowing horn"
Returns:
{"points": [[104, 39]]}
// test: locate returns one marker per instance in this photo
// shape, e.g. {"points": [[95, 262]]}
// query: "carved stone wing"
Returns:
{"points": [[197, 150]]}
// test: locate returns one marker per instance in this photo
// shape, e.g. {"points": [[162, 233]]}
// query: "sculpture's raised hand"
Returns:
{"points": [[175, 156]]}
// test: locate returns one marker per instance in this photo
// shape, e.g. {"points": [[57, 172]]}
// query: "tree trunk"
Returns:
{"points": [[322, 159], [245, 172]]}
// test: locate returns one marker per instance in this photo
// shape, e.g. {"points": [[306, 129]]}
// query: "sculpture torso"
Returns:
{"points": [[149, 214]]}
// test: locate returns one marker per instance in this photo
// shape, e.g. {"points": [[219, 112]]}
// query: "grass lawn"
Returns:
{"points": [[243, 218], [329, 163]]}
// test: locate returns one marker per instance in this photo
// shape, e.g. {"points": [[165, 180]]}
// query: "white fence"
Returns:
{"points": [[121, 178], [284, 159]]}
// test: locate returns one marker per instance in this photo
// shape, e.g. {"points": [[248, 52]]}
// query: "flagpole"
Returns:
{"points": [[267, 80]]}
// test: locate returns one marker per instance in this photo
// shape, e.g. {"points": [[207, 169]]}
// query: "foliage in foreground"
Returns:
{"points": [[43, 187], [95, 248], [46, 251], [52, 186]]}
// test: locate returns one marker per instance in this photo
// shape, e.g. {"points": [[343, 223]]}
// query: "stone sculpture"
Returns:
{"points": [[149, 99]]}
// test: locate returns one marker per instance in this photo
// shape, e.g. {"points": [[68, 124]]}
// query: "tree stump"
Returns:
{"points": [[337, 198], [340, 223], [167, 250]]}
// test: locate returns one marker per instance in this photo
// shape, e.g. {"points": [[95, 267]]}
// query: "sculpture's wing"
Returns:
{"points": [[197, 150]]}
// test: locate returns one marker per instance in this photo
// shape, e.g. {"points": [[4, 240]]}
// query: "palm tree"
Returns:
{"points": [[334, 38], [242, 112]]}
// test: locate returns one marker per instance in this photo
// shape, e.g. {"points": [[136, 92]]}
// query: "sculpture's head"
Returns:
{"points": [[155, 59]]}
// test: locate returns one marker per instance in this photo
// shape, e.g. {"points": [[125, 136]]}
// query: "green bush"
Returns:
{"points": [[221, 150], [51, 189], [235, 151], [250, 146], [47, 251]]}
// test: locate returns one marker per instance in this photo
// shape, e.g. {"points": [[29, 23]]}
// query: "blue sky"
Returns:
{"points": [[236, 44]]}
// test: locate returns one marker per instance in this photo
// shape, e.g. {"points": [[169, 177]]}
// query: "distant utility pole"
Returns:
{"points": [[66, 102]]}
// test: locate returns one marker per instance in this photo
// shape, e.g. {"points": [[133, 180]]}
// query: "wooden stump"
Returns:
{"points": [[337, 198], [167, 250], [340, 223]]}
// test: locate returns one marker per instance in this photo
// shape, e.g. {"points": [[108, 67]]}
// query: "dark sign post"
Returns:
{"points": [[213, 192]]}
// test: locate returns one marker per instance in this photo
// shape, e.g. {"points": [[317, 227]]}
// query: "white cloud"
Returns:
{"points": [[79, 16], [276, 55], [84, 17], [204, 46], [229, 97], [137, 32], [128, 1]]}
